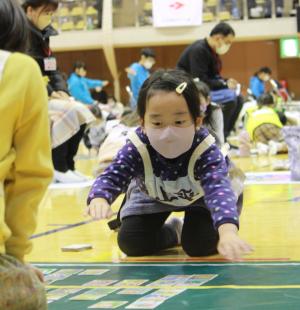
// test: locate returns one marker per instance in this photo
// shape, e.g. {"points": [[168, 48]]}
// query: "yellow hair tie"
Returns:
{"points": [[180, 88]]}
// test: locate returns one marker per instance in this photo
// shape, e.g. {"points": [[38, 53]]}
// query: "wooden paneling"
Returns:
{"points": [[240, 63], [289, 69]]}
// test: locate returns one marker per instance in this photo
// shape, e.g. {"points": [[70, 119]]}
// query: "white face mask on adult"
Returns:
{"points": [[148, 64], [43, 21], [171, 141], [223, 49]]}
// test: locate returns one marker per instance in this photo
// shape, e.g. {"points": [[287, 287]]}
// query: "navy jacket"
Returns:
{"points": [[39, 49], [202, 62]]}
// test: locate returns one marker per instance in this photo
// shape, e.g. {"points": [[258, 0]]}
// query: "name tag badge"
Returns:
{"points": [[50, 64]]}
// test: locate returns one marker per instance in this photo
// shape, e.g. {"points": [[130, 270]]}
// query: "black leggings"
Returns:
{"points": [[63, 155], [147, 234]]}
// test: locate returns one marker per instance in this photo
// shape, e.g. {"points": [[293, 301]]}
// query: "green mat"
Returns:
{"points": [[232, 286]]}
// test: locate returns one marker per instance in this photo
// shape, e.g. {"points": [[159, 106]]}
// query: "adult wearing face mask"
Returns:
{"points": [[138, 72], [39, 13], [258, 80], [202, 60], [68, 117]]}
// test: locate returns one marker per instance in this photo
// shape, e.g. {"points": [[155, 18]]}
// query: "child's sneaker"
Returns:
{"points": [[262, 149], [177, 224], [80, 175], [273, 147], [66, 177]]}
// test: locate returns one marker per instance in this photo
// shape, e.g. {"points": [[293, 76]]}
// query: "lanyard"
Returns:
{"points": [[48, 51]]}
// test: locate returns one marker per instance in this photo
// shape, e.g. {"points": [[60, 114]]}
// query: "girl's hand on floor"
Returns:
{"points": [[99, 209], [230, 245]]}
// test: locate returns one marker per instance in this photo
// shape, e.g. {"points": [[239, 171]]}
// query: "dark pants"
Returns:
{"points": [[147, 234], [63, 155], [231, 111]]}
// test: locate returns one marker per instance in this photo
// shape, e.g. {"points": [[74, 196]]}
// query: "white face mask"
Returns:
{"points": [[44, 21], [223, 49], [171, 141], [266, 78], [148, 64]]}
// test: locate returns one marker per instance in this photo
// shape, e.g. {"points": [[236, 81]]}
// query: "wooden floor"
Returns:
{"points": [[270, 221]]}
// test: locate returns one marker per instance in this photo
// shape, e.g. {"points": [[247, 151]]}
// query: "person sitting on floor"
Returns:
{"points": [[258, 80], [264, 126], [79, 85]]}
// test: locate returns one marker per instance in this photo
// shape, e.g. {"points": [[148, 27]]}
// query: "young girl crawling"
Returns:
{"points": [[170, 164]]}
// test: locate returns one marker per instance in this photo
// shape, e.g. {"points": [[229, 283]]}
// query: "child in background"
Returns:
{"points": [[173, 165], [258, 80], [138, 72], [213, 116], [79, 85], [264, 126], [213, 121], [114, 108], [25, 161]]}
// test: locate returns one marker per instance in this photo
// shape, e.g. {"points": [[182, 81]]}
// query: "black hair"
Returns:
{"points": [[147, 52], [79, 65], [13, 27], [208, 119], [223, 29], [265, 100], [203, 89], [266, 70], [40, 3], [168, 81]]}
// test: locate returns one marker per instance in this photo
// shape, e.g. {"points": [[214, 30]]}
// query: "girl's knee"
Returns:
{"points": [[200, 249], [133, 246]]}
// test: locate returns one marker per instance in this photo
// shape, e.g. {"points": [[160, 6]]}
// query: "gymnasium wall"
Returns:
{"points": [[240, 63]]}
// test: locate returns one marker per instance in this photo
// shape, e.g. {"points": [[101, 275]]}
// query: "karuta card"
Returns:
{"points": [[204, 276], [93, 272], [47, 271], [61, 274], [199, 279], [61, 293], [108, 304], [95, 294], [53, 278], [102, 282], [66, 272], [87, 296], [146, 303], [170, 280], [166, 293], [135, 291], [131, 282], [76, 247]]}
